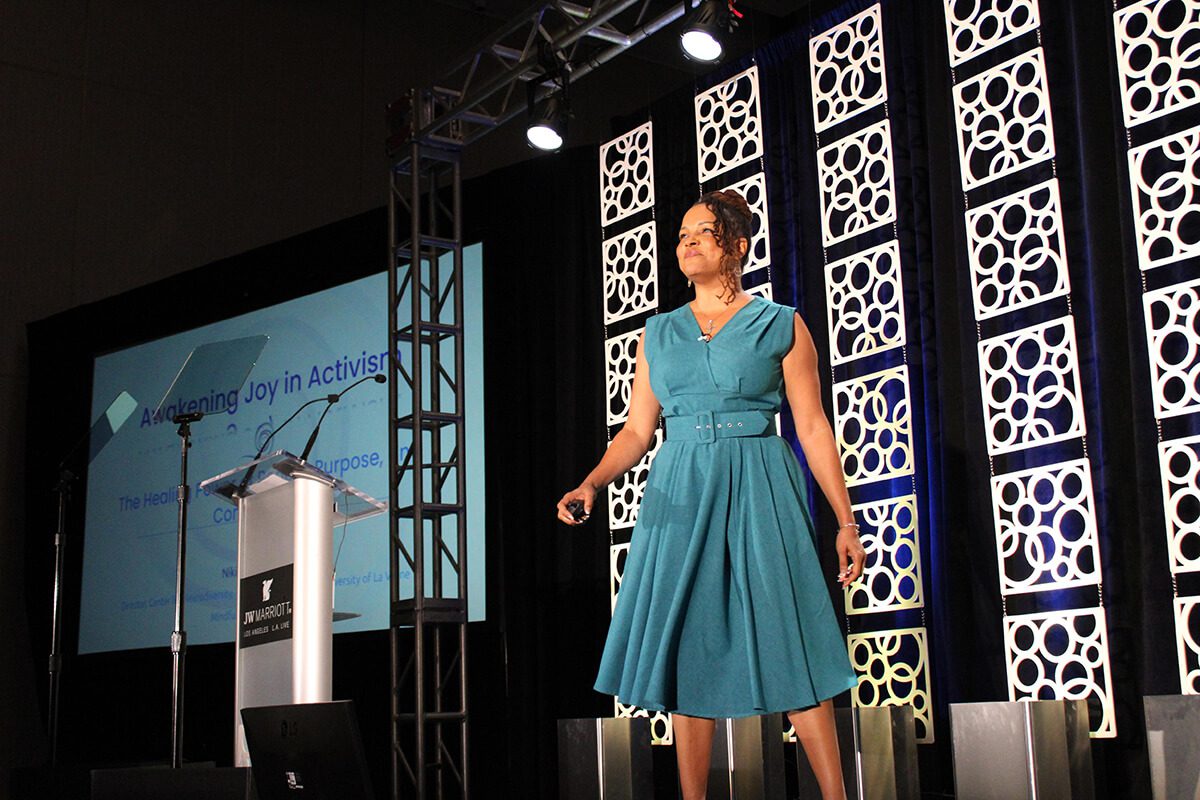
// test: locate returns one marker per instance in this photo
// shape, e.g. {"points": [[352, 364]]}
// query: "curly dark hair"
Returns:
{"points": [[733, 222]]}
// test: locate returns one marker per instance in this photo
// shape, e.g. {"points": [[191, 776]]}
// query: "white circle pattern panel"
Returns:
{"points": [[661, 729], [728, 125], [1173, 344], [1179, 465], [874, 432], [1165, 182], [1003, 119], [1030, 385], [1017, 253], [1187, 631], [892, 575], [754, 189], [1062, 655], [893, 670], [1158, 62], [764, 291], [627, 175], [617, 554], [630, 273], [976, 26], [1046, 528], [625, 493], [865, 303], [857, 188], [620, 360], [847, 68]]}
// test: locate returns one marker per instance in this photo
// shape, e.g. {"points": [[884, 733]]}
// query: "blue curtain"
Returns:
{"points": [[963, 608]]}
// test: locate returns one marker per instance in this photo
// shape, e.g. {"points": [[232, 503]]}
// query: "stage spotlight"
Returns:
{"points": [[547, 128], [705, 28]]}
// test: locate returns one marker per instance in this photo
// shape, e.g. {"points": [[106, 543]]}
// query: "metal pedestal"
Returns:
{"points": [[1022, 750], [604, 758]]}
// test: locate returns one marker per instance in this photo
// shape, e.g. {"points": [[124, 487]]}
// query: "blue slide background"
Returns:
{"points": [[128, 583]]}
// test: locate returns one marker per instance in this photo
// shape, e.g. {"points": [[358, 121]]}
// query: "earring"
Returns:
{"points": [[689, 283]]}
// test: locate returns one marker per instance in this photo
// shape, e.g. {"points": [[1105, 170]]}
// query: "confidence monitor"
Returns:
{"points": [[311, 751]]}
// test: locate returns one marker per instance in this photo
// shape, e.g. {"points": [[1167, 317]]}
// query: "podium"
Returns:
{"points": [[287, 510]]}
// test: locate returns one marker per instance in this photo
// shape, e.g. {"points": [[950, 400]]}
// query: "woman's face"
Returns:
{"points": [[698, 252]]}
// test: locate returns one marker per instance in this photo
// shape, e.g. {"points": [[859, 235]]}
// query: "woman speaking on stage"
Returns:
{"points": [[723, 610]]}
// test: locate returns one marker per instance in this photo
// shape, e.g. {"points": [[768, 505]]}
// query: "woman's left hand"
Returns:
{"points": [[852, 558]]}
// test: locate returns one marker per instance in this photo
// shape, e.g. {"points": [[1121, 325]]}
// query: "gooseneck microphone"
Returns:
{"points": [[333, 398], [241, 489]]}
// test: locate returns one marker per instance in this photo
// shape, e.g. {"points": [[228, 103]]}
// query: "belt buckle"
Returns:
{"points": [[705, 427]]}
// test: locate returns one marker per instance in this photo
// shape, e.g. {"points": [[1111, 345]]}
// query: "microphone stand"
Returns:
{"points": [[179, 636]]}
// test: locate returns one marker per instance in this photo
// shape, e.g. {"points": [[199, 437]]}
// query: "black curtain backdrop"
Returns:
{"points": [[533, 661]]}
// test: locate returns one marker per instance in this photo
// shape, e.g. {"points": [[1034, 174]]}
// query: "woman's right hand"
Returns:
{"points": [[586, 493]]}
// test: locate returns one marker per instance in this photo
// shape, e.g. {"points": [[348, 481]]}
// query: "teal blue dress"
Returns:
{"points": [[723, 610]]}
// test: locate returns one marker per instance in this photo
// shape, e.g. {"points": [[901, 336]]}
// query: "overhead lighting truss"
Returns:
{"points": [[488, 87]]}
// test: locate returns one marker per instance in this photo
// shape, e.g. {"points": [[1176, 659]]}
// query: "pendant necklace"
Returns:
{"points": [[707, 336]]}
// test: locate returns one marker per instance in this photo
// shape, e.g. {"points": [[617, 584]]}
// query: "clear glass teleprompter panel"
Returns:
{"points": [[211, 373]]}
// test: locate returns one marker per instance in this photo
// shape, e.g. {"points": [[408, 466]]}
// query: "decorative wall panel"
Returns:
{"points": [[865, 303], [1030, 384], [762, 290], [1173, 344], [661, 730], [1046, 528], [1003, 119], [1165, 184], [1062, 655], [892, 575], [617, 554], [1187, 629], [630, 273], [871, 421], [893, 670], [754, 189], [1157, 58], [847, 69], [620, 361], [857, 187], [1016, 251], [728, 125], [1179, 465], [976, 26], [625, 493], [627, 175]]}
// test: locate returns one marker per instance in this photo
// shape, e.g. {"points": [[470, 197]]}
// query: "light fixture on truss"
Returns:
{"points": [[547, 125], [702, 37], [547, 128]]}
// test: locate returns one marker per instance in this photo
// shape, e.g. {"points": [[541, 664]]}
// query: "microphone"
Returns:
{"points": [[333, 398], [241, 489]]}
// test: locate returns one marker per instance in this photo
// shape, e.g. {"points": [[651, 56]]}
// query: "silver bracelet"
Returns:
{"points": [[848, 525]]}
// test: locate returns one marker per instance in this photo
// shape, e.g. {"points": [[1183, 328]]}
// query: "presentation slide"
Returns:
{"points": [[319, 345]]}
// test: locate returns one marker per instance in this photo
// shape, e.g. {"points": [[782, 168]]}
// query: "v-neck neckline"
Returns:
{"points": [[728, 322]]}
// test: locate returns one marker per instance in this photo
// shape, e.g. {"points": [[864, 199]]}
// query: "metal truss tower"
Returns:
{"points": [[427, 491], [534, 55]]}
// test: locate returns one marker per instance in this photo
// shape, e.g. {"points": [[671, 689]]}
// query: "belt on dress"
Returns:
{"points": [[708, 426]]}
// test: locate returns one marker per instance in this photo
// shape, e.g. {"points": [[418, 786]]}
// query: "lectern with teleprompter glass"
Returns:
{"points": [[287, 510]]}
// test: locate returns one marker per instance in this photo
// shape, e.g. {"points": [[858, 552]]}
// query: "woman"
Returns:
{"points": [[723, 611]]}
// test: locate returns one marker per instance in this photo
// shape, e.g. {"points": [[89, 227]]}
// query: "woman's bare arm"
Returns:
{"points": [[803, 388], [627, 447]]}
